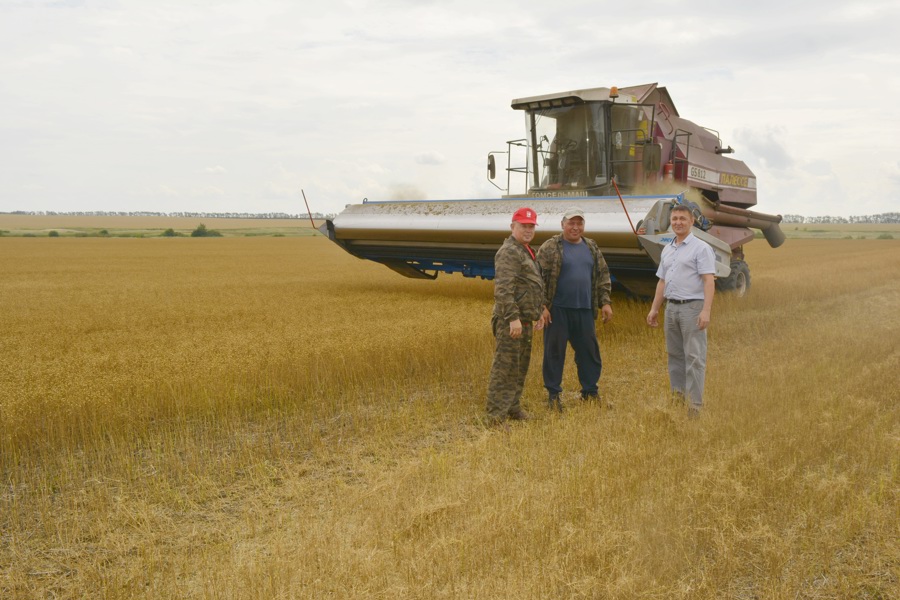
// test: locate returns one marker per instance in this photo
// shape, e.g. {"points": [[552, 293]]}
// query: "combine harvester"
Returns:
{"points": [[612, 152]]}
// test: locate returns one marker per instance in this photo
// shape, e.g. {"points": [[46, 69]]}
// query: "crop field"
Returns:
{"points": [[269, 417], [846, 231], [21, 225]]}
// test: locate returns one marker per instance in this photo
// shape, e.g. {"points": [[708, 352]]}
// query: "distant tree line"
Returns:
{"points": [[891, 217], [202, 215]]}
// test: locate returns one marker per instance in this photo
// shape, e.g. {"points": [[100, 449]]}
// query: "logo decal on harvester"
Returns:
{"points": [[560, 194], [716, 178], [735, 180]]}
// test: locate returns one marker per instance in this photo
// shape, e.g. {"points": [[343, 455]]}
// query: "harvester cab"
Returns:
{"points": [[579, 143], [586, 146], [623, 155]]}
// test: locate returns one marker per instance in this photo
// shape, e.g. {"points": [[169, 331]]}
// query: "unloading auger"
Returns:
{"points": [[599, 149]]}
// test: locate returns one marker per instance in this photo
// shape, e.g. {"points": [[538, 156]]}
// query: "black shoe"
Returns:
{"points": [[554, 401], [590, 396]]}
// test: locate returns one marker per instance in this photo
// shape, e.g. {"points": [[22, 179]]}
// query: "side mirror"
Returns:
{"points": [[492, 167]]}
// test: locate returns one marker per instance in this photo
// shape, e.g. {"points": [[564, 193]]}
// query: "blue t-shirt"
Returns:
{"points": [[573, 289]]}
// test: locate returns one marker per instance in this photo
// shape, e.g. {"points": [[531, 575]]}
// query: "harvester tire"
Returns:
{"points": [[738, 282]]}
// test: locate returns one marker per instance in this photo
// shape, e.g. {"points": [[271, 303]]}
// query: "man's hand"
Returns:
{"points": [[709, 290], [653, 315], [515, 329], [703, 320], [606, 313]]}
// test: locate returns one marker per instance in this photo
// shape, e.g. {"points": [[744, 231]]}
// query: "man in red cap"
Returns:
{"points": [[518, 303]]}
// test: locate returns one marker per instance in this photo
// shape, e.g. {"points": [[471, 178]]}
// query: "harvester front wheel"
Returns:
{"points": [[738, 282]]}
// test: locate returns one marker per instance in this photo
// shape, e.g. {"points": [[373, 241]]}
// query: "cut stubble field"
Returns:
{"points": [[273, 418]]}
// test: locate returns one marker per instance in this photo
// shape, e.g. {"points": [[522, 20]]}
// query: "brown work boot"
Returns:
{"points": [[519, 415]]}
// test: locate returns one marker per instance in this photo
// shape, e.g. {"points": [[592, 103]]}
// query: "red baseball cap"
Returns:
{"points": [[525, 215]]}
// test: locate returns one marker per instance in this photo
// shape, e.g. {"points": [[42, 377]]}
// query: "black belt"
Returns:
{"points": [[672, 301]]}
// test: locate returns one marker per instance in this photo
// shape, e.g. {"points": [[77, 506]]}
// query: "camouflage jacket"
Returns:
{"points": [[518, 288], [550, 257]]}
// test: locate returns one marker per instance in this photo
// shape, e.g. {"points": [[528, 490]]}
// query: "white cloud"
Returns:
{"points": [[893, 171], [100, 102], [767, 146], [162, 190], [207, 191], [430, 158]]}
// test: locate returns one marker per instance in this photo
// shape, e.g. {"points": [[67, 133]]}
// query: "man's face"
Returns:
{"points": [[681, 222], [523, 232], [573, 229]]}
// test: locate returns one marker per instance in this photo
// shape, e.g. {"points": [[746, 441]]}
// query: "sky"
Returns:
{"points": [[237, 106]]}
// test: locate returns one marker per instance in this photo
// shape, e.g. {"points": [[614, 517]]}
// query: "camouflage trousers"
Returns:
{"points": [[508, 371]]}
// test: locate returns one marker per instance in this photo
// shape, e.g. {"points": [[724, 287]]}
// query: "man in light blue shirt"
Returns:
{"points": [[687, 283]]}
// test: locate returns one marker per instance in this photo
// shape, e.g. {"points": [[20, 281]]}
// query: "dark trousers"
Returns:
{"points": [[571, 326]]}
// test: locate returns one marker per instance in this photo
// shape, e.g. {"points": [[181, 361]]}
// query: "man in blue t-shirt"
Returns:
{"points": [[576, 289]]}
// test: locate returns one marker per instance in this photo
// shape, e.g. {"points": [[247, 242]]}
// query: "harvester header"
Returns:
{"points": [[623, 155]]}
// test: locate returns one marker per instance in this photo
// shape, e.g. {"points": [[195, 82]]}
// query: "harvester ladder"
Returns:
{"points": [[680, 165], [522, 143]]}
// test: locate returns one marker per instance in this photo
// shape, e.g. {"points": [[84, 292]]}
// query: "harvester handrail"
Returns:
{"points": [[622, 201]]}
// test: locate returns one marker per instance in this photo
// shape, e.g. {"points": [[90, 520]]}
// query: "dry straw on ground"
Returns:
{"points": [[272, 418]]}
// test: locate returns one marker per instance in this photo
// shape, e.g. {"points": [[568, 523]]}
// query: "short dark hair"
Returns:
{"points": [[682, 207]]}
